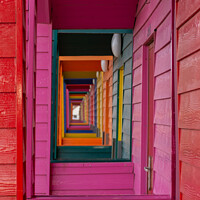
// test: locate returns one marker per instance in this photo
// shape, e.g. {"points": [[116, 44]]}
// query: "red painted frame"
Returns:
{"points": [[19, 90]]}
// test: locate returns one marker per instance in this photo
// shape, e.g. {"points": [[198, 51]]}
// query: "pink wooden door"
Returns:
{"points": [[149, 168]]}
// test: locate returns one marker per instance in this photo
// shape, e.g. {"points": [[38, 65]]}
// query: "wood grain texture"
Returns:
{"points": [[162, 112], [185, 9], [162, 138], [7, 11], [164, 32], [154, 21], [189, 105], [8, 184], [7, 110], [7, 75], [189, 76], [137, 76], [8, 146], [189, 147], [8, 40], [162, 86], [189, 181], [163, 60], [188, 40], [136, 112]]}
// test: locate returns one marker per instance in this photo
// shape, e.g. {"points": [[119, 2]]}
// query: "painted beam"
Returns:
{"points": [[79, 74], [105, 31], [84, 58], [88, 65]]}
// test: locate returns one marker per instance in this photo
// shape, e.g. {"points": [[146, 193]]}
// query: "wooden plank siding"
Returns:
{"points": [[188, 62], [91, 178], [12, 95], [125, 59], [43, 109], [153, 18]]}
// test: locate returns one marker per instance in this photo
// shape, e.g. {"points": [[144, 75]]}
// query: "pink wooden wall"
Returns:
{"points": [[188, 64], [151, 16], [43, 109]]}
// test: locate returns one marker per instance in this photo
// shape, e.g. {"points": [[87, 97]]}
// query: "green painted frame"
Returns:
{"points": [[54, 110]]}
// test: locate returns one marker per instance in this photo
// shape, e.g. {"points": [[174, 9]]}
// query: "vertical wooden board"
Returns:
{"points": [[163, 60], [42, 113], [7, 74], [189, 76], [137, 76], [161, 185], [186, 9], [137, 178], [163, 34], [8, 146], [163, 86], [189, 147], [136, 112], [137, 94], [43, 61], [43, 44], [41, 131], [189, 106], [137, 57], [189, 180], [42, 95], [40, 166], [7, 11], [162, 112], [189, 34], [136, 151], [8, 182], [7, 110], [41, 149], [162, 138], [40, 184], [162, 164], [136, 130], [8, 40], [42, 78]]}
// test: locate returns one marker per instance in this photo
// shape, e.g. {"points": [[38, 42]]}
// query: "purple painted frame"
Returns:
{"points": [[29, 110]]}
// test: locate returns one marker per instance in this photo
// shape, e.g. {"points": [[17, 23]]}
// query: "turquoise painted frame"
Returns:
{"points": [[53, 89], [55, 71]]}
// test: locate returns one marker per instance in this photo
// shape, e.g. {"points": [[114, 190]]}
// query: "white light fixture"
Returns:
{"points": [[116, 44], [104, 65], [97, 74], [93, 81]]}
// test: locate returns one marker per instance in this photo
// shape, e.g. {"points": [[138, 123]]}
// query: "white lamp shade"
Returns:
{"points": [[97, 74], [116, 44], [104, 65]]}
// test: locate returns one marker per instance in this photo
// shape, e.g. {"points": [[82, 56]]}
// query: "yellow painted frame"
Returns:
{"points": [[120, 108]]}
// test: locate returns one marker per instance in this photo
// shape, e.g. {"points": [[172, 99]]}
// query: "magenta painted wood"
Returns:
{"points": [[91, 14], [43, 11], [43, 110], [91, 178], [153, 16], [30, 55], [108, 197], [79, 128]]}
